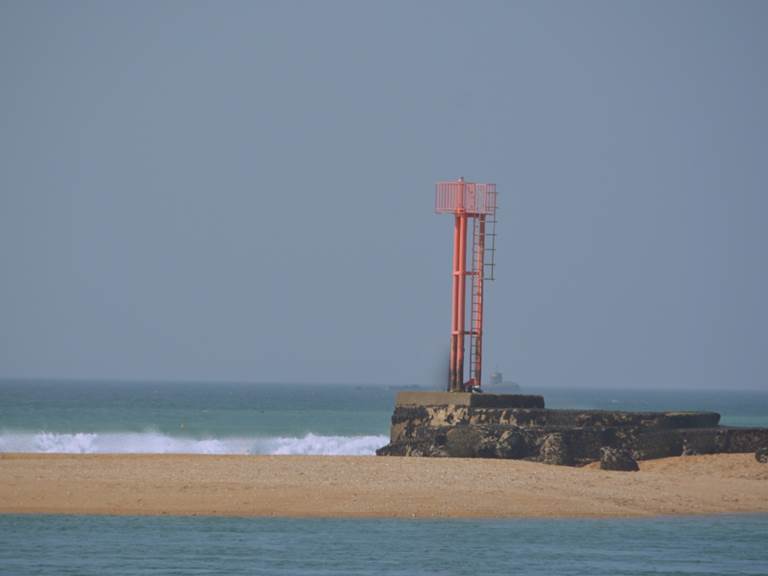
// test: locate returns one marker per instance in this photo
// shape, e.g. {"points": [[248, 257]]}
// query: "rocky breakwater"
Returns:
{"points": [[463, 425]]}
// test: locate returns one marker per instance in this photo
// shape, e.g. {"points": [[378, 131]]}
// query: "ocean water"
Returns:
{"points": [[237, 418], [211, 418], [81, 545]]}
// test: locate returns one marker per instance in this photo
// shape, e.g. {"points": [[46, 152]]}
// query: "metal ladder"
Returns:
{"points": [[483, 262], [490, 248]]}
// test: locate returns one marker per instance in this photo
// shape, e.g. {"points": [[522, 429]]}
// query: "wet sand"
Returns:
{"points": [[346, 486]]}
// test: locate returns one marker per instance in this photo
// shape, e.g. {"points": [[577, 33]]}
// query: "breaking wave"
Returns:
{"points": [[157, 443]]}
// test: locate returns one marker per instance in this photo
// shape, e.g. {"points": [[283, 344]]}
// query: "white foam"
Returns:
{"points": [[327, 445], [157, 443]]}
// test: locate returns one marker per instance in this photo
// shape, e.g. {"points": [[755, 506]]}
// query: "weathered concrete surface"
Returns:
{"points": [[407, 398], [470, 428]]}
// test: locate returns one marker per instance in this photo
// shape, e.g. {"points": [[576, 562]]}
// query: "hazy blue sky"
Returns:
{"points": [[244, 190]]}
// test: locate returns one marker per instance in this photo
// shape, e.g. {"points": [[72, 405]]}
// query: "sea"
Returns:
{"points": [[333, 419]]}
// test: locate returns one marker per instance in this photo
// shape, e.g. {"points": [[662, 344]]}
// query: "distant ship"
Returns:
{"points": [[497, 381]]}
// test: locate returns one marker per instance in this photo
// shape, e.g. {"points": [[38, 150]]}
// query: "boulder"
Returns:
{"points": [[555, 450], [761, 455], [513, 444], [618, 459]]}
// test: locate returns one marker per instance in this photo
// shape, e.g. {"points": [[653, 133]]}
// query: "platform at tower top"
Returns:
{"points": [[483, 400]]}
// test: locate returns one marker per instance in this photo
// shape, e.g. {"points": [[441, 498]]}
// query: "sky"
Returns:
{"points": [[244, 191]]}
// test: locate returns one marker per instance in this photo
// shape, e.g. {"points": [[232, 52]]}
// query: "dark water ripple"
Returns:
{"points": [[42, 545]]}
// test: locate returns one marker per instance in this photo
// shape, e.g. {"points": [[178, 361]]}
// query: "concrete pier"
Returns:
{"points": [[450, 424]]}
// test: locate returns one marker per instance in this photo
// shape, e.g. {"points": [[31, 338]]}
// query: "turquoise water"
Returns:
{"points": [[39, 416], [42, 545], [221, 418]]}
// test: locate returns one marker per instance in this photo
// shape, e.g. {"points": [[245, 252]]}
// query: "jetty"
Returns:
{"points": [[471, 425]]}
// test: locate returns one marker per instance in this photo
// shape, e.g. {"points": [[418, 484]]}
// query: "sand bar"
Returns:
{"points": [[341, 486]]}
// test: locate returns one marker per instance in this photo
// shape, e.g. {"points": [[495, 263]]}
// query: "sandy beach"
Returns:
{"points": [[329, 486]]}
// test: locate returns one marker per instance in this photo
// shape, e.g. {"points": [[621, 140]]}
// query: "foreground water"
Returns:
{"points": [[230, 418], [726, 545]]}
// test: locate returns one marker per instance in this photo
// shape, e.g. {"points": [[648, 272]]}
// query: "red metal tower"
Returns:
{"points": [[468, 200]]}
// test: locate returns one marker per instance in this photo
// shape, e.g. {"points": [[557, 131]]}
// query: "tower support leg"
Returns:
{"points": [[462, 301], [452, 370]]}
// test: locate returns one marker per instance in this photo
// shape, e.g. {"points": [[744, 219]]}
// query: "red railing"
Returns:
{"points": [[468, 197]]}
